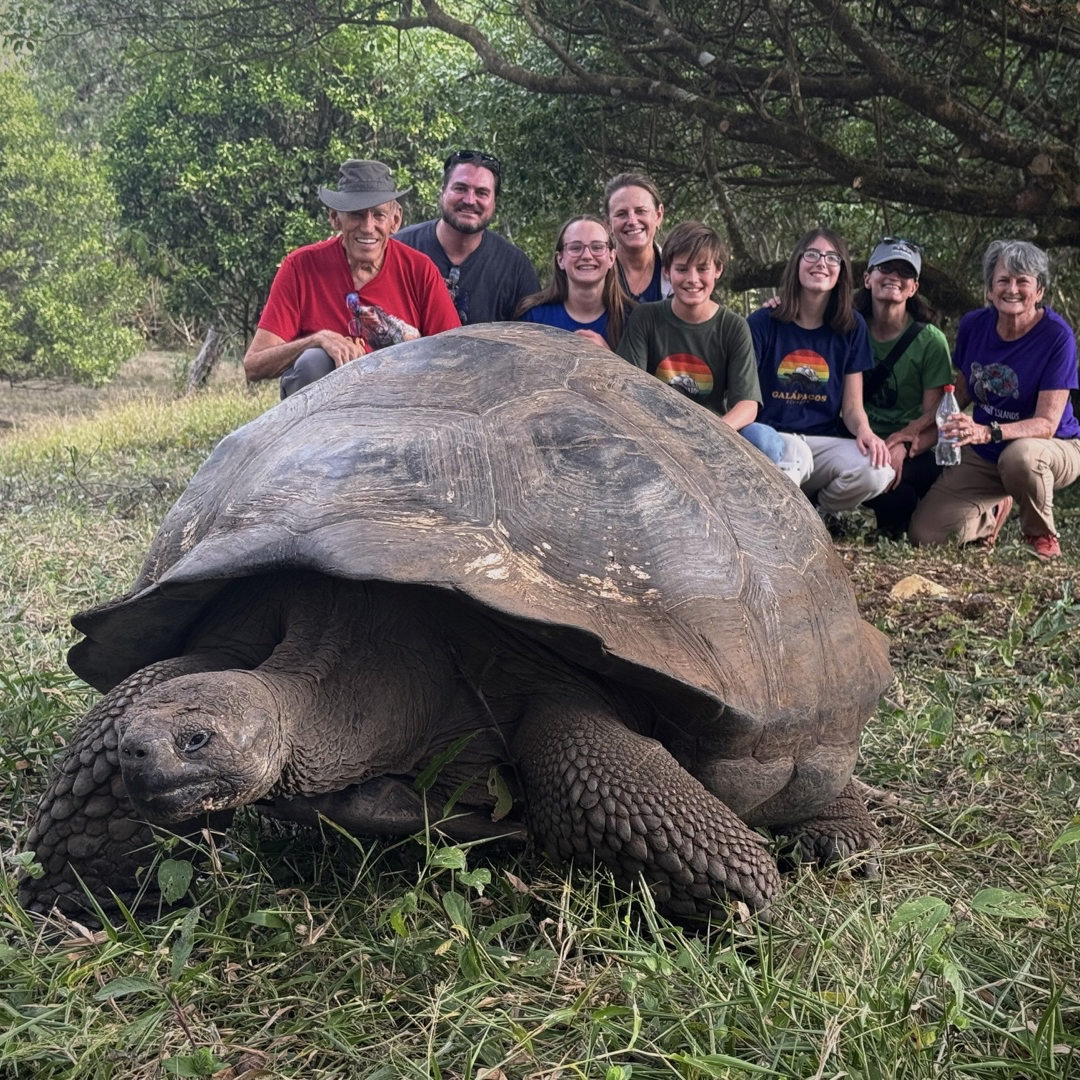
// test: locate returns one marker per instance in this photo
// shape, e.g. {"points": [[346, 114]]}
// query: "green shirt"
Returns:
{"points": [[716, 355], [924, 365]]}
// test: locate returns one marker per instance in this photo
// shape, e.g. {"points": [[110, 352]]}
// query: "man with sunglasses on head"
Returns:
{"points": [[358, 290], [902, 392], [487, 276]]}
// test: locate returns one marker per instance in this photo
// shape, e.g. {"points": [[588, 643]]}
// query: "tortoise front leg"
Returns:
{"points": [[85, 826], [596, 788], [841, 830]]}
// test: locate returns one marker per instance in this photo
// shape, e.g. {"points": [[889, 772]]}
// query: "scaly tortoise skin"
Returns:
{"points": [[505, 548]]}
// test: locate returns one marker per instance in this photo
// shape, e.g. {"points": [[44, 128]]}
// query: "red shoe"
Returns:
{"points": [[1046, 547], [1001, 512]]}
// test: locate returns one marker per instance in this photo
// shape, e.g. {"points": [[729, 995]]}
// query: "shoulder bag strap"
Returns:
{"points": [[875, 380]]}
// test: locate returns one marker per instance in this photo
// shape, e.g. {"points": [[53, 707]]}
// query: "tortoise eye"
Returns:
{"points": [[196, 741]]}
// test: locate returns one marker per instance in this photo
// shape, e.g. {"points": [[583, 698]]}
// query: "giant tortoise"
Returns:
{"points": [[510, 565]]}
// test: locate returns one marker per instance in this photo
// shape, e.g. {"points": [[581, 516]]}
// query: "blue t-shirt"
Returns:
{"points": [[802, 371], [1004, 377], [556, 315]]}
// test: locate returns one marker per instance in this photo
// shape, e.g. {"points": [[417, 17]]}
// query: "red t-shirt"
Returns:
{"points": [[309, 290]]}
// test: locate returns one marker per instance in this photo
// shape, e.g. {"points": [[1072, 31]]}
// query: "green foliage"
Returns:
{"points": [[64, 299]]}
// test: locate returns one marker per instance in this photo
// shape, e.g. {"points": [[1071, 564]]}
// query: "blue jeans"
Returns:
{"points": [[766, 439]]}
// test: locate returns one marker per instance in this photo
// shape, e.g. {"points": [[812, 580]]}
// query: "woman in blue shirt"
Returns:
{"points": [[584, 295]]}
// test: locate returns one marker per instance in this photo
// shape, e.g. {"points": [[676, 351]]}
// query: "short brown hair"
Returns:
{"points": [[690, 241]]}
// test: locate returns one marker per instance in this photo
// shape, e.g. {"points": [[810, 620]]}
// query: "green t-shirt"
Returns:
{"points": [[924, 365], [716, 355]]}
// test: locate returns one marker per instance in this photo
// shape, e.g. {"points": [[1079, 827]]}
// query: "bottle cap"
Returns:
{"points": [[949, 388]]}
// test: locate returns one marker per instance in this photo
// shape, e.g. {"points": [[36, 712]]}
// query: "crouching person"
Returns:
{"points": [[695, 344], [812, 349], [335, 300], [1017, 360]]}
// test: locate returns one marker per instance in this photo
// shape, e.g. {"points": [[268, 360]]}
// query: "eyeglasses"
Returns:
{"points": [[901, 240], [812, 255], [898, 267], [576, 247], [474, 157], [457, 294]]}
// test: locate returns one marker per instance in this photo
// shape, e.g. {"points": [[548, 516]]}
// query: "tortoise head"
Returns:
{"points": [[200, 743]]}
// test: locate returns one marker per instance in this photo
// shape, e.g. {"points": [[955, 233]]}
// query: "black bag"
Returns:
{"points": [[873, 382]]}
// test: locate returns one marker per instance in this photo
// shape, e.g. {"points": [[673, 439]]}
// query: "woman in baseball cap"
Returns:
{"points": [[903, 390]]}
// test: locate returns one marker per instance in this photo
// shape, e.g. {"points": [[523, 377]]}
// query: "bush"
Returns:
{"points": [[64, 297]]}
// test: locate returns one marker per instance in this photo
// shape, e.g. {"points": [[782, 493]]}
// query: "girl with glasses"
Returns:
{"points": [[812, 349], [584, 295]]}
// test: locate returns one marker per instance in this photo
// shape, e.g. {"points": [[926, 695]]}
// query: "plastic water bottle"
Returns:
{"points": [[948, 450]]}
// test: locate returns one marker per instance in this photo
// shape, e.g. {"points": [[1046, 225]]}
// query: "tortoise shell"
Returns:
{"points": [[561, 489]]}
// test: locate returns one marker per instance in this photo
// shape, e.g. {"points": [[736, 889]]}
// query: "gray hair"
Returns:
{"points": [[1019, 257]]}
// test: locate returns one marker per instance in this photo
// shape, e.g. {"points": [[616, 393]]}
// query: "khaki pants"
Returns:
{"points": [[962, 502]]}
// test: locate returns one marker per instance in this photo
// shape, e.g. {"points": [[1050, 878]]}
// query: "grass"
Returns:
{"points": [[329, 957]]}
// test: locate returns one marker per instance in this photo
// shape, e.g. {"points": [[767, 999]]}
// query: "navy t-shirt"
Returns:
{"points": [[802, 371], [557, 315]]}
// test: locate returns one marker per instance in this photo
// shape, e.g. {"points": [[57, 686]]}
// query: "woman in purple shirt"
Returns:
{"points": [[1017, 361]]}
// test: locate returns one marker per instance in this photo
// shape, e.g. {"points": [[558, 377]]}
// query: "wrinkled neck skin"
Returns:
{"points": [[353, 684], [376, 679]]}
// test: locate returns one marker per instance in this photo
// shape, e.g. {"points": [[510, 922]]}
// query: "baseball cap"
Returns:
{"points": [[896, 248]]}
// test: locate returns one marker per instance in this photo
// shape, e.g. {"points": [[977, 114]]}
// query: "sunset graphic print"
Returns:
{"points": [[804, 365], [688, 366]]}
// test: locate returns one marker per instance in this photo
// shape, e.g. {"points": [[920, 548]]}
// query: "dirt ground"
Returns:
{"points": [[37, 401]]}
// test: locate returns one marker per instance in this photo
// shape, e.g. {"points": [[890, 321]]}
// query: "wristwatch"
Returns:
{"points": [[995, 431]]}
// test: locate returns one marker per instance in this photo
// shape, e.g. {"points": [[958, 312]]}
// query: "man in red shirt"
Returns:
{"points": [[311, 324]]}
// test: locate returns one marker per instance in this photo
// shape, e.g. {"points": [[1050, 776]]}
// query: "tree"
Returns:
{"points": [[217, 163], [767, 111], [65, 301]]}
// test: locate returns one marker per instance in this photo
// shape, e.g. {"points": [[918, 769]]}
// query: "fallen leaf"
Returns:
{"points": [[916, 585]]}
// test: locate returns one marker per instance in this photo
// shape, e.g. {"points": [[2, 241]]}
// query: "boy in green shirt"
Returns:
{"points": [[696, 345]]}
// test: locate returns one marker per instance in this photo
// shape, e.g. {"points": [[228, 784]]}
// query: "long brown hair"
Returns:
{"points": [[616, 300], [839, 312]]}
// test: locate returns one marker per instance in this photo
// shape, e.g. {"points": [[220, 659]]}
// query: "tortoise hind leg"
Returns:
{"points": [[84, 826], [597, 789], [841, 830]]}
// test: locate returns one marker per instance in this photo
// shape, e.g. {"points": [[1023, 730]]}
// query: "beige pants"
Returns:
{"points": [[961, 503], [836, 469]]}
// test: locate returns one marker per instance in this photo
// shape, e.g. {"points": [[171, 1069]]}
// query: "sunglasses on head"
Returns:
{"points": [[474, 157], [901, 240]]}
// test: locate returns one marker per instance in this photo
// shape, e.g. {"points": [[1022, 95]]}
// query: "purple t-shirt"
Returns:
{"points": [[1004, 377]]}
